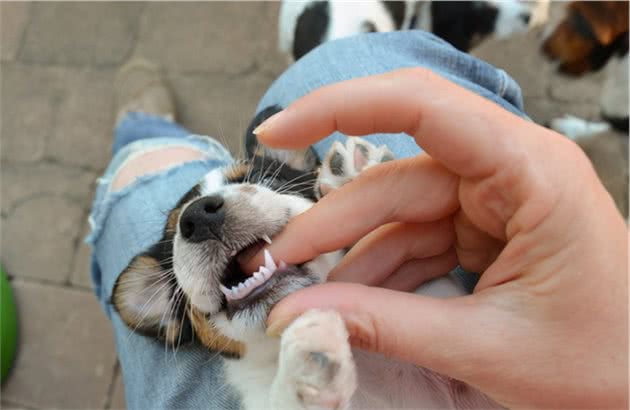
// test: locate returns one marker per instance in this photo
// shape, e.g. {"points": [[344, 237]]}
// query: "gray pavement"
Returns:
{"points": [[58, 62]]}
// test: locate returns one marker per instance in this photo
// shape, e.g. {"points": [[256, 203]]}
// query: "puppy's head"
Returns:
{"points": [[190, 284], [588, 35]]}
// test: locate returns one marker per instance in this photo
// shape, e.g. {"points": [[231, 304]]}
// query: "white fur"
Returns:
{"points": [[200, 287], [347, 18], [575, 128], [424, 21], [290, 11], [213, 181], [508, 19], [443, 287]]}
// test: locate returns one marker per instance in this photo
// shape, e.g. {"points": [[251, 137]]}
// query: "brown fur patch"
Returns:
{"points": [[588, 27], [248, 189], [136, 279], [141, 272], [210, 337], [608, 19], [570, 48], [173, 218], [236, 172]]}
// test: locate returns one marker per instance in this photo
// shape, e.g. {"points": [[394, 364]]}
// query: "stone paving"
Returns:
{"points": [[58, 62]]}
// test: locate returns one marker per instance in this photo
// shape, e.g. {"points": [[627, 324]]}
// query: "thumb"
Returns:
{"points": [[434, 333]]}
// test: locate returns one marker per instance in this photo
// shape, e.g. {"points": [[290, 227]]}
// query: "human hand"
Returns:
{"points": [[547, 323]]}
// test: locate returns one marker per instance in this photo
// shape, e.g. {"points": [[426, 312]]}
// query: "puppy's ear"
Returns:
{"points": [[607, 19], [147, 298], [252, 147], [303, 160]]}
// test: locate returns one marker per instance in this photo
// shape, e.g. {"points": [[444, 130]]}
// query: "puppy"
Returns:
{"points": [[189, 287], [305, 25], [594, 35]]}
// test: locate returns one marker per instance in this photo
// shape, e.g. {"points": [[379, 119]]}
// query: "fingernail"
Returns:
{"points": [[265, 124], [276, 328]]}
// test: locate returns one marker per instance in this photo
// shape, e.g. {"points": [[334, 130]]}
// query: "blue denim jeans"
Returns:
{"points": [[127, 222]]}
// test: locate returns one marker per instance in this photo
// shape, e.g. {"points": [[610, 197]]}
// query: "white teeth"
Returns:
{"points": [[282, 265], [233, 253], [227, 292], [269, 263], [267, 239], [258, 278]]}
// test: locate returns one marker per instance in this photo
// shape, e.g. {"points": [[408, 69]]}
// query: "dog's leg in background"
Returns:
{"points": [[575, 128], [315, 366], [539, 12]]}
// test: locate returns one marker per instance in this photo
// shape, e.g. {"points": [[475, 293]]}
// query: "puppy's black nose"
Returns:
{"points": [[203, 219]]}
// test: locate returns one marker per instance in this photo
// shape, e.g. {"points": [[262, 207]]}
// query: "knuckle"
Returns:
{"points": [[365, 333]]}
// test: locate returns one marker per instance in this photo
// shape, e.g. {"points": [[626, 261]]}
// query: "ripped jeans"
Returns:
{"points": [[129, 212]]}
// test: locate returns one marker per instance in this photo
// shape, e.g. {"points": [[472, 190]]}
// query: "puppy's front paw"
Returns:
{"points": [[344, 162], [316, 361]]}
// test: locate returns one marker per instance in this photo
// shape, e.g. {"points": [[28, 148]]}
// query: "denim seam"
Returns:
{"points": [[503, 83], [141, 152]]}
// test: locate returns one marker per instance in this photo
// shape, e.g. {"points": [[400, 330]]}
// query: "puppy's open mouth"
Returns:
{"points": [[242, 290]]}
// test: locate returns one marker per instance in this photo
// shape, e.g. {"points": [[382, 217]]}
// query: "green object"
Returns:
{"points": [[8, 326]]}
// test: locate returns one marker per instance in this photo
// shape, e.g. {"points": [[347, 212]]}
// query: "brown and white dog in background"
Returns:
{"points": [[594, 35]]}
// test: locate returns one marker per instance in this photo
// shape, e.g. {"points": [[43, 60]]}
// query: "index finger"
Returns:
{"points": [[410, 190], [467, 133]]}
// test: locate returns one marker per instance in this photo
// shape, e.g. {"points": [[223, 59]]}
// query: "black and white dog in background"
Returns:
{"points": [[304, 25]]}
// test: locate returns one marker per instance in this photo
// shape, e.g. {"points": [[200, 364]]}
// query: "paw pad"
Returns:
{"points": [[345, 161], [316, 350]]}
